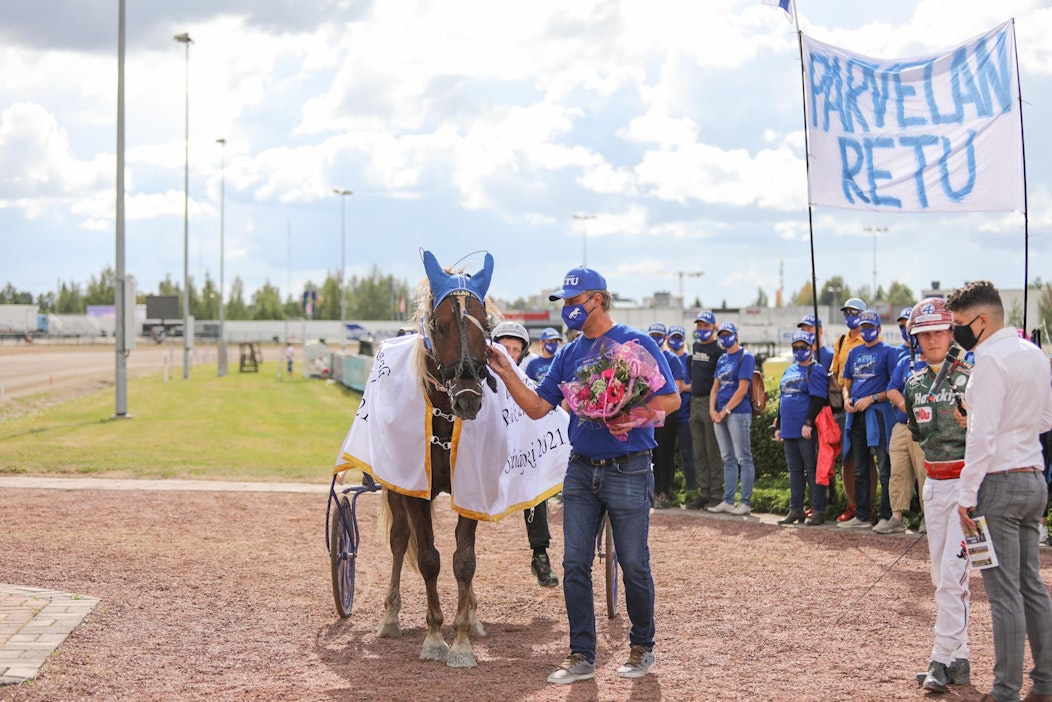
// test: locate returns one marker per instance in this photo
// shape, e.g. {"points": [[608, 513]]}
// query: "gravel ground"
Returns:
{"points": [[227, 596]]}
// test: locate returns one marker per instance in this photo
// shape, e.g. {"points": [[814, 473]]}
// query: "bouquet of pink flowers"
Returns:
{"points": [[618, 380]]}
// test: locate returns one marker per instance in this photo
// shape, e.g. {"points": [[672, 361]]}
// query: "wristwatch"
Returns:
{"points": [[875, 400]]}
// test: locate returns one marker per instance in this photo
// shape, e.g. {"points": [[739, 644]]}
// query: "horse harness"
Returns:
{"points": [[465, 366]]}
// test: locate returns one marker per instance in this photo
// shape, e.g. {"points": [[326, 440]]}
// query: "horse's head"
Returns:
{"points": [[456, 327]]}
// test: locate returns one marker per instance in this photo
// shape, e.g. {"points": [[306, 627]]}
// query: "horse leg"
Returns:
{"points": [[466, 621], [399, 540], [429, 563]]}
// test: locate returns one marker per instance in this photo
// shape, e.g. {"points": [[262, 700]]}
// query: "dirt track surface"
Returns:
{"points": [[228, 596]]}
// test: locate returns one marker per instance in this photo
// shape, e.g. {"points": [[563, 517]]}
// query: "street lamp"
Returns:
{"points": [[875, 231], [689, 274], [343, 246], [222, 226], [584, 235], [185, 39]]}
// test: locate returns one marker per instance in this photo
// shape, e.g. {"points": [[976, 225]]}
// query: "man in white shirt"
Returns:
{"points": [[1008, 403]]}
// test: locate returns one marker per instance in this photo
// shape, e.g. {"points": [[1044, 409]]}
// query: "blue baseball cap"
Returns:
{"points": [[808, 320], [871, 317], [675, 330], [549, 333], [577, 281], [656, 328], [906, 312], [727, 327], [806, 337], [707, 317]]}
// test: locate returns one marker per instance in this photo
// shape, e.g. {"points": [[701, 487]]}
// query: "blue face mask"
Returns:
{"points": [[905, 336], [550, 347], [728, 340], [675, 342], [851, 320], [574, 316], [870, 334], [802, 355], [703, 335]]}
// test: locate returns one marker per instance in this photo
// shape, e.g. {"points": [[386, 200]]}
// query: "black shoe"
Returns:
{"points": [[793, 516], [698, 503], [542, 568], [816, 519], [959, 672], [935, 678]]}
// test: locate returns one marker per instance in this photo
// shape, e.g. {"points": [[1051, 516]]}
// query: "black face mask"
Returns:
{"points": [[964, 335]]}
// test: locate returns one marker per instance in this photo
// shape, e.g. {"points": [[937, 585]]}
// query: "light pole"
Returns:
{"points": [[222, 258], [875, 231], [185, 39], [121, 343], [584, 235], [689, 274], [343, 251]]}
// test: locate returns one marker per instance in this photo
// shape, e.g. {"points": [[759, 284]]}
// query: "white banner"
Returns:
{"points": [[940, 133], [503, 461]]}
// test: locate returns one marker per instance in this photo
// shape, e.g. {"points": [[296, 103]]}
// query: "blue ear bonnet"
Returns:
{"points": [[444, 284]]}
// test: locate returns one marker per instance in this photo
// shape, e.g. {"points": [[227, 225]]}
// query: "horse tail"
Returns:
{"points": [[385, 517]]}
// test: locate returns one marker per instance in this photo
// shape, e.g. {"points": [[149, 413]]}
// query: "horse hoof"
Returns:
{"points": [[461, 659], [389, 630], [434, 651]]}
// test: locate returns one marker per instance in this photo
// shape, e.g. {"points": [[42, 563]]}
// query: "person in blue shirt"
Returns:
{"points": [[538, 365], [870, 417], [676, 341], [804, 390], [903, 320], [609, 472], [665, 435], [731, 410], [811, 326]]}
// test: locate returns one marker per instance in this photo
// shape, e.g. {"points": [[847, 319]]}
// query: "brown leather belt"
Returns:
{"points": [[943, 470]]}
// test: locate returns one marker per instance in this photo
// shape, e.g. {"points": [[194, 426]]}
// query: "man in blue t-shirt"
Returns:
{"points": [[731, 410], [538, 365], [676, 342], [870, 416], [609, 471]]}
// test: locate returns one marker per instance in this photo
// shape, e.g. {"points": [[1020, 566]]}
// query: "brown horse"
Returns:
{"points": [[451, 365]]}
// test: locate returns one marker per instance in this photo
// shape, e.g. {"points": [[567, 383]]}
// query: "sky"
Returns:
{"points": [[467, 125]]}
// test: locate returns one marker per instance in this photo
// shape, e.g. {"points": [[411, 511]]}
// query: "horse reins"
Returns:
{"points": [[465, 366]]}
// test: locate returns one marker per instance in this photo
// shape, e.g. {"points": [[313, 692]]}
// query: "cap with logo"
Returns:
{"points": [[707, 317], [577, 281], [656, 328], [905, 314], [550, 333], [854, 303], [871, 317], [808, 321], [806, 337], [930, 314], [677, 330], [727, 327]]}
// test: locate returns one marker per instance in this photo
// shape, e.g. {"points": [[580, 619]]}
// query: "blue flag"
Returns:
{"points": [[786, 5]]}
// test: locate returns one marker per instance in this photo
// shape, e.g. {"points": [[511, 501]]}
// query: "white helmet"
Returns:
{"points": [[513, 329]]}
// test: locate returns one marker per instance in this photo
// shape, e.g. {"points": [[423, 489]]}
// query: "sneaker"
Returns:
{"points": [[698, 503], [721, 507], [1042, 534], [542, 568], [923, 528], [640, 662], [575, 667], [816, 519], [661, 502], [959, 672], [847, 515], [741, 510], [890, 526], [854, 523], [715, 502]]}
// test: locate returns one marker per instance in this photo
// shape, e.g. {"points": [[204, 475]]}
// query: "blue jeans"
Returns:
{"points": [[625, 491], [733, 436], [863, 502], [686, 454], [801, 455]]}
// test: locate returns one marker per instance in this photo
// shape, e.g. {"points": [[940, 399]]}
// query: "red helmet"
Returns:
{"points": [[930, 314]]}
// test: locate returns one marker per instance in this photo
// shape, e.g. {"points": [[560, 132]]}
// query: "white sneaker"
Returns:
{"points": [[721, 507], [741, 510], [853, 523], [880, 526], [640, 662], [1042, 534]]}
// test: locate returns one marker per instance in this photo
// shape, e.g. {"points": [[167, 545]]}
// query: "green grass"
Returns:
{"points": [[246, 426]]}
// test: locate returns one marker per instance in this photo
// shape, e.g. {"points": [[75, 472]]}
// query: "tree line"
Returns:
{"points": [[374, 296]]}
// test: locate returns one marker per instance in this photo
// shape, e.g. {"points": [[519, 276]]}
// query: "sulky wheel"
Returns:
{"points": [[342, 553]]}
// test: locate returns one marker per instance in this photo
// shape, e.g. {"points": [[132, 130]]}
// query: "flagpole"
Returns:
{"points": [[807, 166], [1026, 216]]}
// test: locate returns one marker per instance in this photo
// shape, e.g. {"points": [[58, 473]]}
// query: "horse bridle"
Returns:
{"points": [[465, 366]]}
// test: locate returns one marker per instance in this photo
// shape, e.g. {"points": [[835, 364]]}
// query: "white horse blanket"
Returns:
{"points": [[502, 461]]}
